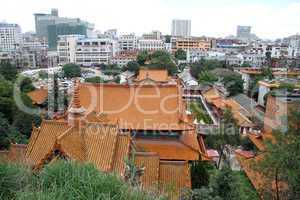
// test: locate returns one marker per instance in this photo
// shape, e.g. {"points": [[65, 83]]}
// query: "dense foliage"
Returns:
{"points": [[162, 60], [223, 184], [132, 66], [71, 70], [95, 79], [157, 60], [211, 71], [227, 135], [15, 125], [64, 180], [281, 163], [180, 54]]}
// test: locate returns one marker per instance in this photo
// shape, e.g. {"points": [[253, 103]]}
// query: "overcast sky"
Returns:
{"points": [[269, 18]]}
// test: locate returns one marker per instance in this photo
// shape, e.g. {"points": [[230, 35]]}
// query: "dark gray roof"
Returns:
{"points": [[246, 102]]}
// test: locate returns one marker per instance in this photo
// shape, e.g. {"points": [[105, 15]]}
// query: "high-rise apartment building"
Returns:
{"points": [[181, 28], [10, 37]]}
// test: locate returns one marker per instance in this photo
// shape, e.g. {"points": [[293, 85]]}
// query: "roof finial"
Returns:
{"points": [[76, 111], [76, 100]]}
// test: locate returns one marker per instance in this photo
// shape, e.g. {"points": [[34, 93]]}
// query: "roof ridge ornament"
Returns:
{"points": [[76, 113]]}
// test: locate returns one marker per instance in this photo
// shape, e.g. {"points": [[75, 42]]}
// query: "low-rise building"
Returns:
{"points": [[66, 48], [90, 51], [123, 57], [151, 45], [191, 43], [128, 42]]}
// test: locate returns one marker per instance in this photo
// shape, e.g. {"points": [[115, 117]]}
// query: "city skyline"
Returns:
{"points": [[269, 19]]}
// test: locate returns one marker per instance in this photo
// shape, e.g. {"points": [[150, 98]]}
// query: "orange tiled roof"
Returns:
{"points": [[254, 176], [158, 75], [96, 143], [100, 145], [211, 95], [258, 179], [163, 175], [167, 149], [259, 140], [150, 161], [38, 96], [122, 151], [42, 141], [174, 174], [145, 107]]}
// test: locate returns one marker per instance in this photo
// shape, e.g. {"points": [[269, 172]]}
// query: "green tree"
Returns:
{"points": [[95, 79], [200, 174], [227, 134], [133, 66], [7, 106], [204, 65], [226, 185], [8, 134], [168, 39], [281, 161], [8, 71], [142, 57], [71, 70], [267, 73], [246, 64], [234, 84], [162, 60], [207, 77], [26, 85], [180, 54]]}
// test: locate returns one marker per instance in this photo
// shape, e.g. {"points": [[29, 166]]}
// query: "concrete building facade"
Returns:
{"points": [[10, 37], [181, 28]]}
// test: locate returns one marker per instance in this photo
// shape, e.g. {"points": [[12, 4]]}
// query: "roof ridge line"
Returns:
{"points": [[38, 133], [64, 134], [114, 149]]}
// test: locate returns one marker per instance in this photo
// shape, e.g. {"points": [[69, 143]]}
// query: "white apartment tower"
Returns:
{"points": [[10, 37], [181, 28]]}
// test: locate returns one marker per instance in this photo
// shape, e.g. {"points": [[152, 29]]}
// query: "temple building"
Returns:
{"points": [[107, 123]]}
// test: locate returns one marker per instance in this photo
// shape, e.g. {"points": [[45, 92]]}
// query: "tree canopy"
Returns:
{"points": [[180, 54], [281, 162], [132, 66], [162, 60], [95, 79], [142, 57], [71, 70], [15, 124], [8, 71]]}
